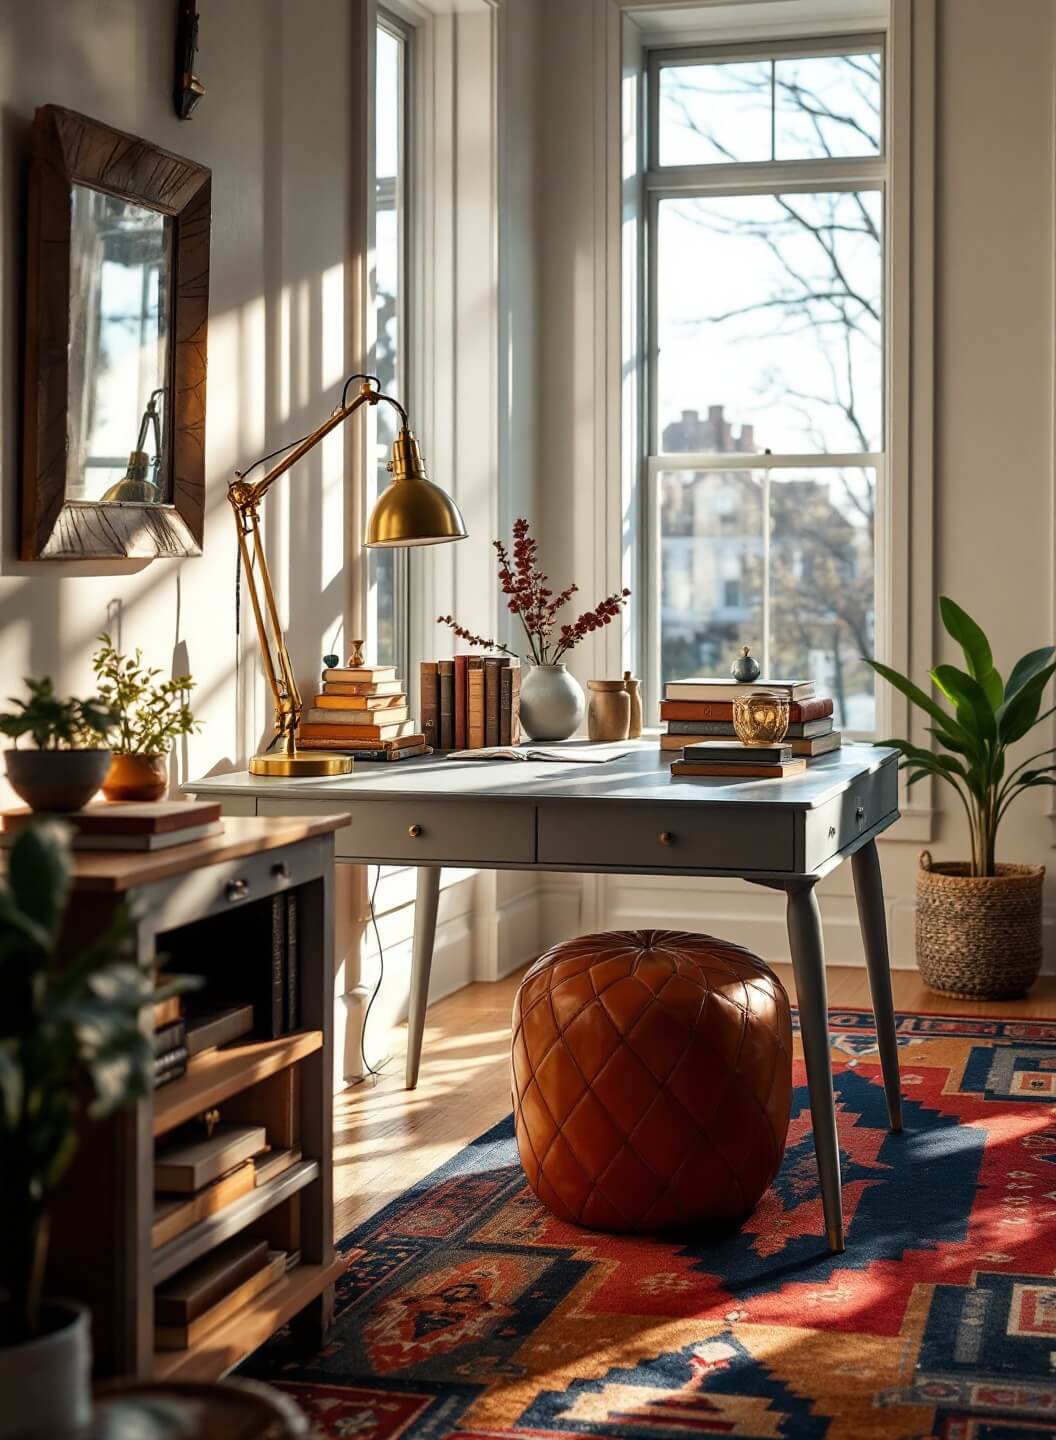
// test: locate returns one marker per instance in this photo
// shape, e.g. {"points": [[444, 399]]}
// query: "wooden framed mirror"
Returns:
{"points": [[117, 302]]}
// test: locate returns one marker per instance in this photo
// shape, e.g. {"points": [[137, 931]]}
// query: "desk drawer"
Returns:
{"points": [[665, 837], [442, 831], [834, 825]]}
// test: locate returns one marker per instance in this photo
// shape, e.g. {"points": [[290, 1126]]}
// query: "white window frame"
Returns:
{"points": [[721, 180], [625, 29]]}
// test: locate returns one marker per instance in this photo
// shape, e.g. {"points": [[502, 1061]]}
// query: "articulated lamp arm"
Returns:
{"points": [[423, 514]]}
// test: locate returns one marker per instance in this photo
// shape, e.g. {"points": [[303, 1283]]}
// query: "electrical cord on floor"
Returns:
{"points": [[368, 1068]]}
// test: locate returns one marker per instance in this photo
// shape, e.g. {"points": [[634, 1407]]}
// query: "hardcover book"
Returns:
{"points": [[184, 1166], [337, 730], [738, 770], [362, 688], [447, 704], [719, 751], [181, 1337], [342, 741], [127, 818], [172, 1217], [270, 1166], [356, 719], [359, 703], [408, 752], [198, 1287], [461, 671], [475, 702], [207, 1032], [717, 688], [370, 673], [493, 665], [292, 1015], [818, 745], [798, 710]]}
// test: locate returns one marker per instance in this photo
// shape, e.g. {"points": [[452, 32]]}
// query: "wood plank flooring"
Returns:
{"points": [[387, 1137]]}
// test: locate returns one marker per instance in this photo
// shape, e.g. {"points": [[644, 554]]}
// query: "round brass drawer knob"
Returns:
{"points": [[666, 838], [414, 831]]}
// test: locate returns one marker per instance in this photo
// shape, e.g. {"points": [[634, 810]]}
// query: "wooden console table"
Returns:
{"points": [[101, 1252], [628, 817]]}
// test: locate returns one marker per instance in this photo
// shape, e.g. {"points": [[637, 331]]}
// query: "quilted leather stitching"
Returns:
{"points": [[620, 957]]}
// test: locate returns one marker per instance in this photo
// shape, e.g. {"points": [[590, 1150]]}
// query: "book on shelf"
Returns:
{"points": [[801, 730], [736, 770], [475, 702], [362, 675], [182, 1337], [717, 688], [292, 1012], [170, 1065], [356, 720], [493, 666], [172, 1216], [721, 711], [185, 1165], [220, 1027], [197, 1288], [358, 704], [446, 731], [817, 744], [168, 1010], [722, 752], [269, 1167], [429, 701], [461, 664], [363, 689], [339, 730], [277, 989], [169, 1036]]}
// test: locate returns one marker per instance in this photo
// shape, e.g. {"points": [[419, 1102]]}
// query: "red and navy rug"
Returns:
{"points": [[466, 1310]]}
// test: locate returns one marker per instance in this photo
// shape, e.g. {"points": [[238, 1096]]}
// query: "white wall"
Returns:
{"points": [[993, 401]]}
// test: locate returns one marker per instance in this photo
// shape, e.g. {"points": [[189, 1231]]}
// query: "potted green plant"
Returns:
{"points": [[152, 714], [71, 1050], [70, 760], [979, 921]]}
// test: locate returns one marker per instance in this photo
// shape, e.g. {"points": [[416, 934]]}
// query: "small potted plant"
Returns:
{"points": [[979, 921], [71, 1050], [552, 701], [70, 758], [152, 714]]}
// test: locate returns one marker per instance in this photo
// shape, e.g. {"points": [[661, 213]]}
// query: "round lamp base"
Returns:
{"points": [[302, 765]]}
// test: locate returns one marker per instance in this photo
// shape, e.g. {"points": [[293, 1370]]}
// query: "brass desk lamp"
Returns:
{"points": [[410, 511]]}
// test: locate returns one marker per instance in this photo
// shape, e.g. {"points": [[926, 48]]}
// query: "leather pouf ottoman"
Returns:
{"points": [[652, 1078]]}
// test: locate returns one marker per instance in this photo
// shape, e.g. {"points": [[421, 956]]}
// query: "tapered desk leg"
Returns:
{"points": [[808, 967], [427, 895], [869, 892]]}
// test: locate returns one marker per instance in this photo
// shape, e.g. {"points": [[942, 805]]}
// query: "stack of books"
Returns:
{"points": [[170, 1041], [130, 825], [362, 711], [734, 761], [471, 702], [696, 711]]}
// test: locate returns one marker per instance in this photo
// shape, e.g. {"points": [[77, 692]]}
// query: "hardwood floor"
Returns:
{"points": [[387, 1137]]}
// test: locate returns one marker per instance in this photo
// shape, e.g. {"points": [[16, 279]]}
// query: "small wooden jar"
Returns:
{"points": [[634, 690], [609, 710]]}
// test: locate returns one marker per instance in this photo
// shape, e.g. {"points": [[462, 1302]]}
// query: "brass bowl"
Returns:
{"points": [[760, 718]]}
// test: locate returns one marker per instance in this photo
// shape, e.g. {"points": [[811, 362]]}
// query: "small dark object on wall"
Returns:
{"points": [[187, 89], [745, 668]]}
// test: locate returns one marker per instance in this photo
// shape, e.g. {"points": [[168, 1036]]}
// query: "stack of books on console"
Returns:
{"points": [[363, 712], [696, 711], [471, 702]]}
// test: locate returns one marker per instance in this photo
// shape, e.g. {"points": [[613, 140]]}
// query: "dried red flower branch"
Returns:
{"points": [[530, 597]]}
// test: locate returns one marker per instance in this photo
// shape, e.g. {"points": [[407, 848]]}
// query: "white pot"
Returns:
{"points": [[46, 1384], [552, 703]]}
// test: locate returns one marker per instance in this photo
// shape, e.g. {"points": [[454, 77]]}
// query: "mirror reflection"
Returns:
{"points": [[120, 296]]}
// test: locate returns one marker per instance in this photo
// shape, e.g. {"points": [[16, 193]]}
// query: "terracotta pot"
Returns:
{"points": [[47, 1382], [56, 782], [137, 777], [979, 935]]}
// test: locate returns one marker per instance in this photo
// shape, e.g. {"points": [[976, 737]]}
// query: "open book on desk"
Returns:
{"points": [[576, 754]]}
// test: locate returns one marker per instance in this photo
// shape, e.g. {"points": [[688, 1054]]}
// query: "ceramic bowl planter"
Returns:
{"points": [[552, 703], [56, 781], [979, 936], [47, 1382], [137, 777]]}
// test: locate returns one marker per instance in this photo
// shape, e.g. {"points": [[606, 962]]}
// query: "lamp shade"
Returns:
{"points": [[412, 510]]}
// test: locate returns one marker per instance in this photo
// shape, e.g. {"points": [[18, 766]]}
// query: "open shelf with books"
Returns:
{"points": [[213, 1196]]}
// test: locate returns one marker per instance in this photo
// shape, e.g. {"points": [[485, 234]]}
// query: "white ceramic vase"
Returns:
{"points": [[552, 703], [46, 1383]]}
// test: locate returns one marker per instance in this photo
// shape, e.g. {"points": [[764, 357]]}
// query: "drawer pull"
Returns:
{"points": [[666, 838], [414, 831], [859, 814], [237, 890], [280, 870]]}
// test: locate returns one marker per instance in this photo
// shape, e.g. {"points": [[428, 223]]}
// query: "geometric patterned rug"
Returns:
{"points": [[467, 1310]]}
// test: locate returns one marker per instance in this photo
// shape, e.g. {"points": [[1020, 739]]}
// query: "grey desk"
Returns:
{"points": [[627, 817]]}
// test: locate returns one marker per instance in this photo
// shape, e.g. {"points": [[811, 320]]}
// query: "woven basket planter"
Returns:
{"points": [[979, 935]]}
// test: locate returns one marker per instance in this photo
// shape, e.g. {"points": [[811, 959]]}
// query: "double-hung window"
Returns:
{"points": [[387, 599], [764, 295]]}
